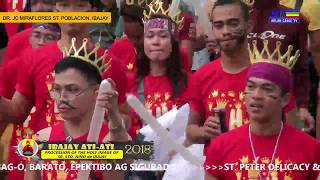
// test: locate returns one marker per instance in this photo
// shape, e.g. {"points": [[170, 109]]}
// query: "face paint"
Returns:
{"points": [[246, 93], [239, 34], [272, 97]]}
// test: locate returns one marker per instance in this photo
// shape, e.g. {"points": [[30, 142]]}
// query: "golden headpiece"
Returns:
{"points": [[82, 53], [156, 8], [285, 60]]}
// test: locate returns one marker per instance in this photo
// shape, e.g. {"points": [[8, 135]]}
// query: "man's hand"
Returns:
{"points": [[199, 130], [307, 118], [109, 100], [211, 127]]}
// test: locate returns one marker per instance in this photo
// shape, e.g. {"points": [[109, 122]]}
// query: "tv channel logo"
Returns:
{"points": [[285, 16]]}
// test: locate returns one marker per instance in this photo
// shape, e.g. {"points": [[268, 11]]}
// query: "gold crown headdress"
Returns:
{"points": [[285, 60], [98, 61], [156, 8]]}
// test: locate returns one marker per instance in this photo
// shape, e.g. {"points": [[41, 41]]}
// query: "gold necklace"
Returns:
{"points": [[69, 137], [274, 150]]}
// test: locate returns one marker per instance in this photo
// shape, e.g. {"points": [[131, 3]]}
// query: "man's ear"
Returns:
{"points": [[286, 99]]}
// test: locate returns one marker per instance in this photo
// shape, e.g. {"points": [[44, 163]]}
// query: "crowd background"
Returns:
{"points": [[197, 49]]}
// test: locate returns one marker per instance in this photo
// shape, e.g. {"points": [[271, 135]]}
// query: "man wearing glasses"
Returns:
{"points": [[75, 93], [37, 77]]}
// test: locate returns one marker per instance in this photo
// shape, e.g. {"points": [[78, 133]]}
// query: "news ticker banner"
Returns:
{"points": [[140, 166], [29, 148], [86, 167], [55, 17]]}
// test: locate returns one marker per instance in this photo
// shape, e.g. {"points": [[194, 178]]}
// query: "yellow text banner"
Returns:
{"points": [[55, 17], [81, 154]]}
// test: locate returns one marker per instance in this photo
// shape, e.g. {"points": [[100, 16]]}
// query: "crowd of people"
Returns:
{"points": [[255, 72]]}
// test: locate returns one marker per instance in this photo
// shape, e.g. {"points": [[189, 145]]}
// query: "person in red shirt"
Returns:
{"points": [[75, 92], [295, 34], [267, 148], [126, 51], [220, 83], [9, 71], [32, 88], [160, 81], [42, 34], [126, 48]]}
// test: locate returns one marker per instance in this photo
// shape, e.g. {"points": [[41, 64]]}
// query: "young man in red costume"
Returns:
{"points": [[267, 141], [75, 91], [33, 86], [220, 84]]}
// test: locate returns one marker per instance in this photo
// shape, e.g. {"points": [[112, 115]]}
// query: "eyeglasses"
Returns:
{"points": [[71, 94]]}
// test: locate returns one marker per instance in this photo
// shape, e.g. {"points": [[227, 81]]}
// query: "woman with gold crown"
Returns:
{"points": [[126, 47], [160, 82]]}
